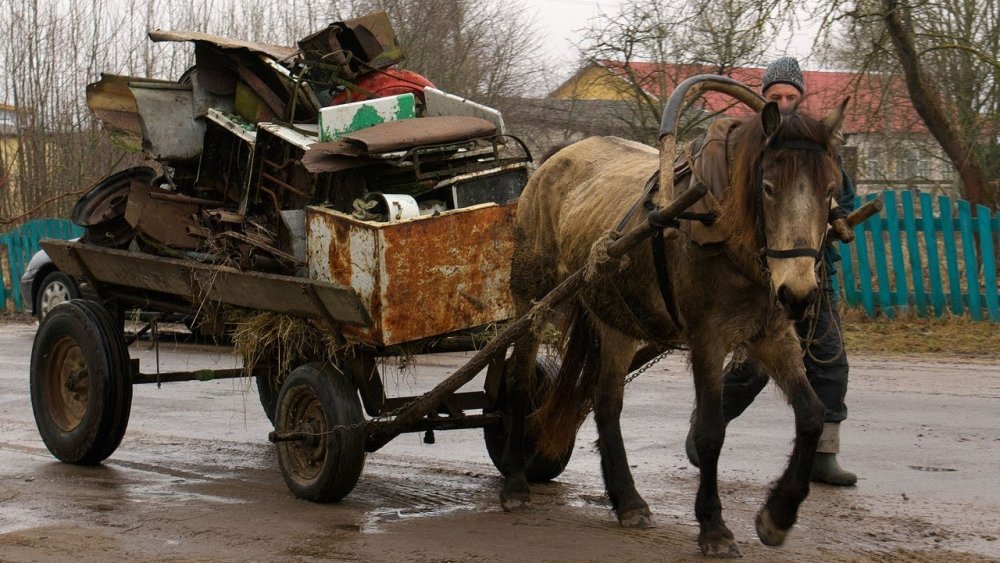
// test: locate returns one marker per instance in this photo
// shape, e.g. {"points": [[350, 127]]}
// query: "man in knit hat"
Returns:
{"points": [[824, 355]]}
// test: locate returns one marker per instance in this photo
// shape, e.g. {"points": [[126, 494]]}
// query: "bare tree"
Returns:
{"points": [[654, 45], [948, 53], [485, 51]]}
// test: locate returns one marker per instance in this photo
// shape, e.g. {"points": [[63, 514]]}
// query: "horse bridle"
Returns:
{"points": [[766, 251]]}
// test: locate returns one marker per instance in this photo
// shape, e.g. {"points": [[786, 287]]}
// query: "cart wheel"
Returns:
{"points": [[81, 382], [316, 400], [540, 469]]}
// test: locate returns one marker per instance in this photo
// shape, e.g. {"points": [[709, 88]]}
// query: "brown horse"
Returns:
{"points": [[740, 294]]}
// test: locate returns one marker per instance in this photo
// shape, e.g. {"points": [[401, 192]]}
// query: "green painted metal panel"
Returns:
{"points": [[969, 259], [986, 250], [337, 121], [951, 254], [913, 251], [931, 229]]}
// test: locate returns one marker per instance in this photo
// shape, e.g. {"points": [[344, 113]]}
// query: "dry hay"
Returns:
{"points": [[909, 334], [281, 341]]}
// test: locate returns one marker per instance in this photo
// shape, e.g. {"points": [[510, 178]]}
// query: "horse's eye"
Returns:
{"points": [[769, 190]]}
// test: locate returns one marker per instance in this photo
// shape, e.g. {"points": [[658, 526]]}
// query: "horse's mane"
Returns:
{"points": [[738, 213]]}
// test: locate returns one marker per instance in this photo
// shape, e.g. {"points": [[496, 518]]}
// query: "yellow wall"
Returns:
{"points": [[593, 82]]}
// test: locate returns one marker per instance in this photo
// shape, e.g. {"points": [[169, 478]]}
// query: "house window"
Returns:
{"points": [[913, 165], [873, 165]]}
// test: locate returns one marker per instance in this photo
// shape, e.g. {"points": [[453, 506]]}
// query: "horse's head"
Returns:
{"points": [[785, 181]]}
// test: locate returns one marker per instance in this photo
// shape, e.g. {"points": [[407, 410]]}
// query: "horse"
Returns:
{"points": [[738, 295]]}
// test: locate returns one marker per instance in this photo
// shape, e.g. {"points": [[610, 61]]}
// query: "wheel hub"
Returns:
{"points": [[68, 384]]}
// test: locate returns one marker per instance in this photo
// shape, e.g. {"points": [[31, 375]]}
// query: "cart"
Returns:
{"points": [[385, 275]]}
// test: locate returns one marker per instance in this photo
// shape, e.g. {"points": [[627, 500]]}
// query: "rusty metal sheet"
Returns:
{"points": [[198, 282], [162, 219], [421, 277], [274, 51], [111, 100], [407, 133]]}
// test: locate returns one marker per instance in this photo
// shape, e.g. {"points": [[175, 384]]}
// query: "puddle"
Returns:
{"points": [[384, 516]]}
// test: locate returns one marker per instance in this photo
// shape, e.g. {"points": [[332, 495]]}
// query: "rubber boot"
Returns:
{"points": [[825, 468]]}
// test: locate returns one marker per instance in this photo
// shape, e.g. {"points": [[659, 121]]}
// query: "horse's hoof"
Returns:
{"points": [[515, 496], [515, 501], [720, 544], [769, 532], [637, 518]]}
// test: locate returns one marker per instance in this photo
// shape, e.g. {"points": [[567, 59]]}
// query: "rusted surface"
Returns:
{"points": [[197, 282], [408, 133], [162, 219], [420, 277]]}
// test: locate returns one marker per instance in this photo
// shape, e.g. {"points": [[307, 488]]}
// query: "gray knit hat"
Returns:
{"points": [[783, 71]]}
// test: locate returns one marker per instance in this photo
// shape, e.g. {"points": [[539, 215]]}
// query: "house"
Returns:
{"points": [[886, 142]]}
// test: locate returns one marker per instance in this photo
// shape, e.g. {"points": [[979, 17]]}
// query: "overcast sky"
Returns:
{"points": [[561, 21]]}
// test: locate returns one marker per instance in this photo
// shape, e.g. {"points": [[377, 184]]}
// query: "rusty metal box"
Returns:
{"points": [[419, 277]]}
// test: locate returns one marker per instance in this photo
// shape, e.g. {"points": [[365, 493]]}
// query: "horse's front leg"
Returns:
{"points": [[515, 493], [709, 433], [783, 359], [615, 354]]}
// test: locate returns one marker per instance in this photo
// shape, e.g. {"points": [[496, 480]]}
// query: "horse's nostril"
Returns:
{"points": [[796, 305]]}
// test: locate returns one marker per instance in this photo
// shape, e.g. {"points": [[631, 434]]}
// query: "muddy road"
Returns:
{"points": [[196, 480]]}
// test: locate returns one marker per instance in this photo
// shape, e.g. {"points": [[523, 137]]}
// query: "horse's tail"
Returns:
{"points": [[570, 396]]}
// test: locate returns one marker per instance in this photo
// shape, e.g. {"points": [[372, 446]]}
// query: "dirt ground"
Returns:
{"points": [[196, 480]]}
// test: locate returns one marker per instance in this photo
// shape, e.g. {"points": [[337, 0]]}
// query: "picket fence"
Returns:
{"points": [[16, 249], [923, 255]]}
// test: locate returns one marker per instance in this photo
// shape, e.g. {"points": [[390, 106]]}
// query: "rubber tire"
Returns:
{"points": [[330, 395], [101, 342], [267, 391], [540, 469], [53, 278]]}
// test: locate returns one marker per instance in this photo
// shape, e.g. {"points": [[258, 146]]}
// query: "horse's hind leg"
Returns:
{"points": [[710, 432], [783, 360], [515, 493], [615, 354]]}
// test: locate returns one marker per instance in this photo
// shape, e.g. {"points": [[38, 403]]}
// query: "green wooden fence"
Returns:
{"points": [[18, 246], [923, 255]]}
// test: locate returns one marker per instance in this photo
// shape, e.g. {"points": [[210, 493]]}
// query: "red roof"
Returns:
{"points": [[873, 108]]}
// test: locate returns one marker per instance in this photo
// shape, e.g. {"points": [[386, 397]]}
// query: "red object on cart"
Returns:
{"points": [[382, 83]]}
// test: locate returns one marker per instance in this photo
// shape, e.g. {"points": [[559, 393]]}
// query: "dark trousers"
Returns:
{"points": [[825, 361]]}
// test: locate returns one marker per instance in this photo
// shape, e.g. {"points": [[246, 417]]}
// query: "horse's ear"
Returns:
{"points": [[834, 121], [770, 119]]}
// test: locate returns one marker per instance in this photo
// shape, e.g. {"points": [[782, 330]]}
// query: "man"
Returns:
{"points": [[824, 355]]}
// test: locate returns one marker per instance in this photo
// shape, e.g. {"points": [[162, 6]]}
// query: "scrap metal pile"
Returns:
{"points": [[254, 133]]}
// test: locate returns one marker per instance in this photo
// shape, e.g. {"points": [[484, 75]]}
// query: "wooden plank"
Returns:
{"points": [[969, 259], [930, 243], [196, 282], [864, 267], [847, 274], [902, 293], [989, 262], [913, 248], [951, 254], [884, 293]]}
